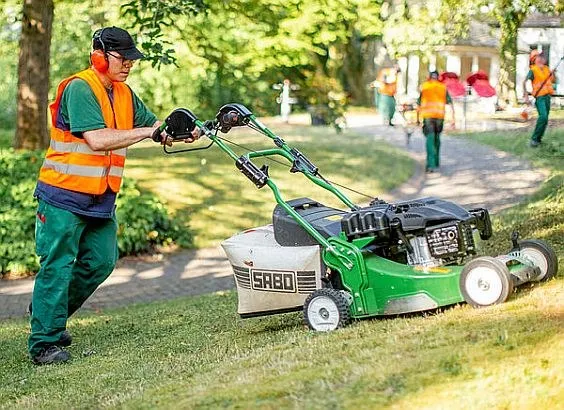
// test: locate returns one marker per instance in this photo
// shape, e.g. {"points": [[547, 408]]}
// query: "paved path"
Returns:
{"points": [[471, 174]]}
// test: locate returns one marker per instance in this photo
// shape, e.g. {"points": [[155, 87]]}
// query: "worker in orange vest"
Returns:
{"points": [[95, 117], [541, 79], [386, 88], [432, 101]]}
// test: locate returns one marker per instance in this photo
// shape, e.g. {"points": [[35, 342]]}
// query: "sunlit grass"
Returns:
{"points": [[220, 201], [196, 353]]}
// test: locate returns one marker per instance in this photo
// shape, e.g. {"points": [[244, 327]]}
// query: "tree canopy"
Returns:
{"points": [[202, 53]]}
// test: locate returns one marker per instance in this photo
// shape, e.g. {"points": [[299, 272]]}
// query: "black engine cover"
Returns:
{"points": [[384, 221], [326, 220], [420, 213]]}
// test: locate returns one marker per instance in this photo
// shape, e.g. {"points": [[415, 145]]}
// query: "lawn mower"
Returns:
{"points": [[362, 261]]}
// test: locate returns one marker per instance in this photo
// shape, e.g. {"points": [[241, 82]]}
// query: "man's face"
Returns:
{"points": [[118, 68], [540, 60]]}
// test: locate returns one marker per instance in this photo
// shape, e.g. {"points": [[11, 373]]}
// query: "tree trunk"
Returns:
{"points": [[353, 71], [509, 24], [33, 75]]}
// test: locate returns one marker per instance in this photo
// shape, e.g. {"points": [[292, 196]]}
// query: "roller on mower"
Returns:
{"points": [[362, 261]]}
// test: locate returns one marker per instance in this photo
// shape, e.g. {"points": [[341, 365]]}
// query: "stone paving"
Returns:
{"points": [[471, 175]]}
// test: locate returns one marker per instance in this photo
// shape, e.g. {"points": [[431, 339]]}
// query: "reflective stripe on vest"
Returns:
{"points": [[433, 99], [70, 163], [81, 148], [540, 74]]}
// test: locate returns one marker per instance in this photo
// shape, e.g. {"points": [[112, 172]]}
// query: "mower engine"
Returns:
{"points": [[427, 232]]}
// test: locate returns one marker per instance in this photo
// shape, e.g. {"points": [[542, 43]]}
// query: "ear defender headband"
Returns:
{"points": [[98, 58]]}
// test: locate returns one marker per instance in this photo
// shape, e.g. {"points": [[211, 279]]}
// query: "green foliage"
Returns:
{"points": [[237, 50], [144, 221], [8, 63], [224, 51], [326, 100], [18, 173], [149, 17]]}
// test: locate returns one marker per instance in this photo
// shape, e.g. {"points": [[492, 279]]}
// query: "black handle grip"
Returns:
{"points": [[231, 118]]}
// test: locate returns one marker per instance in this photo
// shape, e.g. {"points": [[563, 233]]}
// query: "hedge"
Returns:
{"points": [[144, 222]]}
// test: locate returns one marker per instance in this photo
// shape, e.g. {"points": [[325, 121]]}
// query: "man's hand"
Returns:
{"points": [[168, 140], [195, 135]]}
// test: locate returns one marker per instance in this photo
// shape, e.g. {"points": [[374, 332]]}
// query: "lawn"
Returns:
{"points": [[196, 352], [220, 201]]}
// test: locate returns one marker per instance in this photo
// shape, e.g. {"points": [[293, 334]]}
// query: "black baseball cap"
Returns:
{"points": [[116, 39]]}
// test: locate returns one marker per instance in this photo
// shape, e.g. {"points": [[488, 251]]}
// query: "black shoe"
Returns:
{"points": [[50, 355], [65, 340]]}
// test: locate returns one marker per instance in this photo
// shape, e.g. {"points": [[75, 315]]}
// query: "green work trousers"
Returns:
{"points": [[432, 128], [543, 108], [77, 253], [387, 107]]}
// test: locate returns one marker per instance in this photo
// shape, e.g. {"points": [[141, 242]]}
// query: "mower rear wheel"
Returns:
{"points": [[325, 310], [485, 281], [542, 255]]}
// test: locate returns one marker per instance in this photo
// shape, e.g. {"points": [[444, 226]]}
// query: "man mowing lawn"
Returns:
{"points": [[95, 117]]}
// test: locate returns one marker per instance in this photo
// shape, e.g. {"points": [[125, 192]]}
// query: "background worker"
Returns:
{"points": [[95, 117], [541, 80], [385, 96], [432, 100]]}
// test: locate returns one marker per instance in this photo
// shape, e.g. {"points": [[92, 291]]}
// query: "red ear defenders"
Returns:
{"points": [[99, 61], [98, 58]]}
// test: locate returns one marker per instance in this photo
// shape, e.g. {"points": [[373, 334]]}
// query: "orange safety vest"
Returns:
{"points": [[70, 163], [540, 74], [388, 81], [433, 99]]}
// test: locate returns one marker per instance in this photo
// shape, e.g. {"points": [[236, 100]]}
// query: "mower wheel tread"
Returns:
{"points": [[331, 296]]}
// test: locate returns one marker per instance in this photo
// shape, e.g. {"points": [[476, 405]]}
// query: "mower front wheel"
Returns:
{"points": [[325, 310], [485, 281], [542, 255]]}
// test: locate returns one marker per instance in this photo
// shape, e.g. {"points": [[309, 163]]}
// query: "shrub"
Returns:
{"points": [[144, 221]]}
